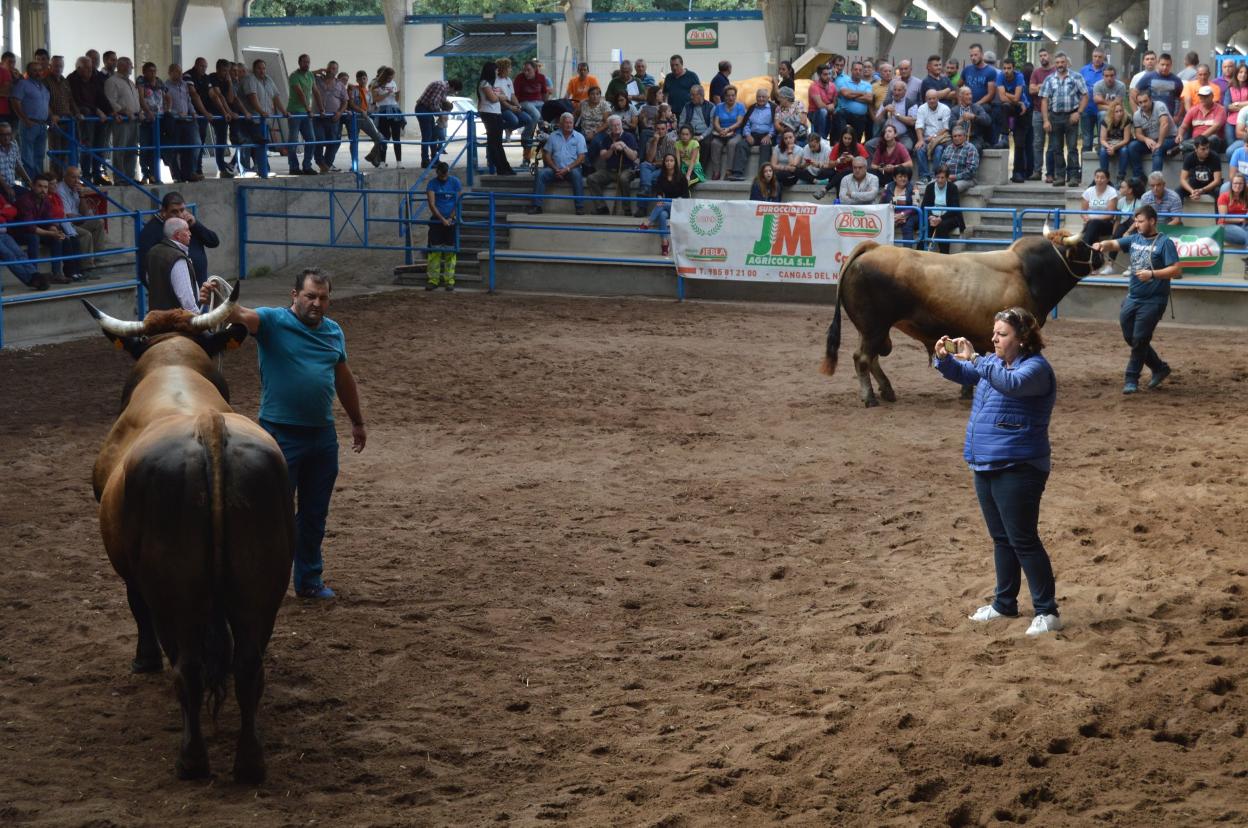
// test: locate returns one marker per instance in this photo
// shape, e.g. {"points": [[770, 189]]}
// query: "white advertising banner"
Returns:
{"points": [[755, 241]]}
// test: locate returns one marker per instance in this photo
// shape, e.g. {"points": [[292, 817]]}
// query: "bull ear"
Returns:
{"points": [[214, 343]]}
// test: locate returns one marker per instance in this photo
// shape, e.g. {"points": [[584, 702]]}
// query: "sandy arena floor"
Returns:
{"points": [[613, 562]]}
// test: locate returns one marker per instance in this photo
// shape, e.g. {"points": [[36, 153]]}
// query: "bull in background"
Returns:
{"points": [[197, 519], [930, 295]]}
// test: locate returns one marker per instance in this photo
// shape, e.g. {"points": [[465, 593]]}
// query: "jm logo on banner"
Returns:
{"points": [[754, 241]]}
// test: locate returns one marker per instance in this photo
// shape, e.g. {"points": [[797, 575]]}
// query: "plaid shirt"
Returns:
{"points": [[431, 99], [8, 164], [962, 161], [61, 101], [1063, 92]]}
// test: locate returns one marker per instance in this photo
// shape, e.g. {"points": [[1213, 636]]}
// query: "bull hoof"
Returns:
{"points": [[249, 773], [872, 402], [192, 769], [148, 664], [888, 395]]}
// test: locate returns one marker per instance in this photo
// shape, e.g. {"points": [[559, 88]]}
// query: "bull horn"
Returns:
{"points": [[1073, 240], [1047, 230], [116, 327], [216, 316]]}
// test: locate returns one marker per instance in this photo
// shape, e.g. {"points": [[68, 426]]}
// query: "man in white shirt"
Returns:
{"points": [[170, 274], [859, 187], [931, 132], [88, 230], [123, 97]]}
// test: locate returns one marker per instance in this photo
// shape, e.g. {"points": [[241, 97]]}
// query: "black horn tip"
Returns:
{"points": [[91, 309], [234, 293]]}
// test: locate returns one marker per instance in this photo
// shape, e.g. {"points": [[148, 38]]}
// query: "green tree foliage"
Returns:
{"points": [[313, 8]]}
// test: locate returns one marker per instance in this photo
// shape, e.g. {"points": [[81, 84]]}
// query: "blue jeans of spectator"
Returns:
{"points": [[185, 139], [859, 123], [534, 110], [823, 122], [1124, 159], [301, 132], [1138, 150], [92, 135], [56, 249], [1090, 130], [546, 177], [1138, 321], [11, 252], [329, 139], [1000, 115], [1024, 146], [1043, 155], [647, 173], [34, 145], [660, 216], [909, 227], [516, 120], [201, 132], [125, 134], [1235, 236], [1230, 149], [1010, 501], [311, 454], [221, 139], [1064, 134], [432, 137], [926, 167]]}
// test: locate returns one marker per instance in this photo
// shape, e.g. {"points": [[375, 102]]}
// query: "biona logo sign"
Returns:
{"points": [[858, 224], [701, 35]]}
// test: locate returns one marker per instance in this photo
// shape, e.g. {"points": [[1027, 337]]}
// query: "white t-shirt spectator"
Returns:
{"points": [[386, 94], [1242, 119], [817, 160], [1098, 201], [505, 88], [484, 104], [930, 121]]}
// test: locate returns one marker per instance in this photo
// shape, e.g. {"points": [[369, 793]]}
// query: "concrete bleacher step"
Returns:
{"points": [[600, 235], [1171, 169], [51, 316]]}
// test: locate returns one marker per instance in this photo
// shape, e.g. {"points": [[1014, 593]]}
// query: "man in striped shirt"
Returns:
{"points": [[1063, 97], [432, 125]]}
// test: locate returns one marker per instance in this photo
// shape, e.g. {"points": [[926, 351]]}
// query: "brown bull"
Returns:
{"points": [[930, 295], [197, 520]]}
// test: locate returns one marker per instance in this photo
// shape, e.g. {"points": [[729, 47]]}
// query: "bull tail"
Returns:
{"points": [[218, 644], [828, 366]]}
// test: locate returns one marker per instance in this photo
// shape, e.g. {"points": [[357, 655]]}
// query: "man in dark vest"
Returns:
{"points": [[173, 206], [171, 277]]}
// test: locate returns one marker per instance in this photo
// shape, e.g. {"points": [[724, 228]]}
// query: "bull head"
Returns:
{"points": [[1070, 243], [134, 335]]}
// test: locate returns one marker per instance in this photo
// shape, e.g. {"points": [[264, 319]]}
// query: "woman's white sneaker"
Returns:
{"points": [[1042, 624], [986, 613]]}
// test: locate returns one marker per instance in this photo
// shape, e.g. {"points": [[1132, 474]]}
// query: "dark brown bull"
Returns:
{"points": [[197, 520], [930, 295]]}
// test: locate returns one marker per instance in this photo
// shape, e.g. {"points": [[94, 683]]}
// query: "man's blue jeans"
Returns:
{"points": [[1010, 501], [311, 454], [301, 131], [1064, 134], [821, 122], [432, 137], [546, 177], [11, 252], [329, 139], [34, 145], [926, 167], [1138, 321], [1137, 150]]}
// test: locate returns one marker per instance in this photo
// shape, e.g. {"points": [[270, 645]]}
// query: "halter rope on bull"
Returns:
{"points": [[1072, 240], [220, 294]]}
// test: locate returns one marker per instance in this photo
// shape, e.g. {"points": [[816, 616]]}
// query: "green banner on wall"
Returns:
{"points": [[1200, 248], [701, 35]]}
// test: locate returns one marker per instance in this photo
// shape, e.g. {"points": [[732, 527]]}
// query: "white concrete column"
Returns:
{"points": [[395, 11], [1182, 26], [782, 19], [233, 10], [153, 25]]}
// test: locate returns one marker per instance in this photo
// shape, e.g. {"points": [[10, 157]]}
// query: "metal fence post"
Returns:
{"points": [[73, 143], [492, 242], [405, 213], [242, 232], [140, 292], [262, 148], [355, 142], [472, 147], [156, 148]]}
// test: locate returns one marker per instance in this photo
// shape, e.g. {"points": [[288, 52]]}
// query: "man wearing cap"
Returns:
{"points": [[1205, 119]]}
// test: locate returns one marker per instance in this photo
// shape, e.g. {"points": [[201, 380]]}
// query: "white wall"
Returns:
{"points": [[740, 41], [419, 71], [74, 26], [204, 35], [355, 47]]}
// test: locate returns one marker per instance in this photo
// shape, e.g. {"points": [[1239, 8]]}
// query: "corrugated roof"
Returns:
{"points": [[486, 45]]}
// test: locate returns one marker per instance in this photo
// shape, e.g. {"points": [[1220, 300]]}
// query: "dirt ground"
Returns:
{"points": [[617, 562]]}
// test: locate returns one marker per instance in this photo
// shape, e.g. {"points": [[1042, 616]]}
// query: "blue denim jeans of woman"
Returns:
{"points": [[1138, 321], [534, 110], [1236, 236], [311, 454], [659, 217], [1123, 160], [1010, 501]]}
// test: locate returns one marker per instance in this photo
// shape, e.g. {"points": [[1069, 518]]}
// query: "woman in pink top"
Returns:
{"points": [[889, 156]]}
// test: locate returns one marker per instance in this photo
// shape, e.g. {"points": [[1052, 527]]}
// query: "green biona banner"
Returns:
{"points": [[1200, 248], [701, 35]]}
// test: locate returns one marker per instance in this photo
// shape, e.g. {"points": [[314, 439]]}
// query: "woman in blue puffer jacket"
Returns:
{"points": [[1007, 447]]}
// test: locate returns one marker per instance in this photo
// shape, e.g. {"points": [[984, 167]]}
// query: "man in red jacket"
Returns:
{"points": [[39, 204]]}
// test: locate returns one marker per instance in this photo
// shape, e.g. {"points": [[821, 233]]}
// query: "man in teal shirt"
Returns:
{"points": [[303, 365], [304, 100], [443, 195]]}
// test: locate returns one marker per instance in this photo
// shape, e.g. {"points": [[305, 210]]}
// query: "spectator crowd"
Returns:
{"points": [[870, 132]]}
